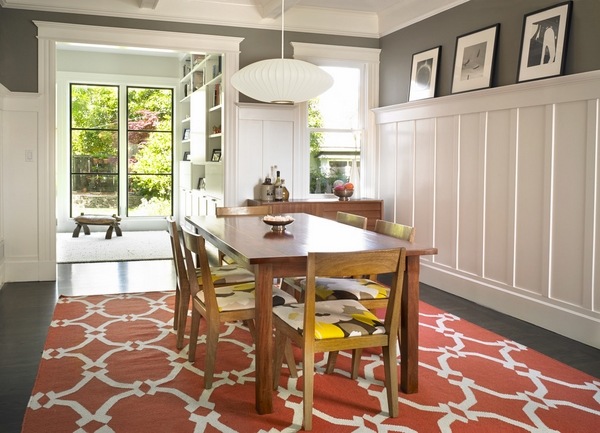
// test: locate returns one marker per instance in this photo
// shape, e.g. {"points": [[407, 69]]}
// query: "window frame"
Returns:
{"points": [[71, 85], [62, 175], [128, 174], [367, 60]]}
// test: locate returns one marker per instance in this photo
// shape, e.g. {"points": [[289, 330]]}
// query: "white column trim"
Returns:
{"points": [[51, 33]]}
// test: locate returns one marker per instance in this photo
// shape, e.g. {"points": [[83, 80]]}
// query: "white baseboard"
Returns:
{"points": [[29, 271], [561, 319]]}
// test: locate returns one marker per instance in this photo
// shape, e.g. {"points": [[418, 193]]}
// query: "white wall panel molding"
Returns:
{"points": [[568, 88], [152, 39], [20, 161], [505, 183]]}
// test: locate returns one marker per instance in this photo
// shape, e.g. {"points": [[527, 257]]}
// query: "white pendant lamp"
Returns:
{"points": [[281, 81]]}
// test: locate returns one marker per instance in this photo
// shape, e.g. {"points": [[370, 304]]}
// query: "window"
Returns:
{"points": [[340, 140], [335, 131], [101, 167], [149, 151], [94, 149]]}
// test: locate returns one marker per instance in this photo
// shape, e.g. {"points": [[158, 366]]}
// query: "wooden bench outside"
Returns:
{"points": [[97, 220]]}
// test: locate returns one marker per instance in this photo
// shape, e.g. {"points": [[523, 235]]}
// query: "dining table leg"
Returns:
{"points": [[264, 338], [409, 328]]}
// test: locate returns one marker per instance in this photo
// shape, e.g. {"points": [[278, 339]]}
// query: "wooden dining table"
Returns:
{"points": [[270, 254]]}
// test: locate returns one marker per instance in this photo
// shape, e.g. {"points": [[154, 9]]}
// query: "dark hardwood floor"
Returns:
{"points": [[26, 310]]}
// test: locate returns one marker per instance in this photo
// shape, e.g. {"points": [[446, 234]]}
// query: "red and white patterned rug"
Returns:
{"points": [[110, 365]]}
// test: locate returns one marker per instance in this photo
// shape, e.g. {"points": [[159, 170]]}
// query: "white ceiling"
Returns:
{"points": [[365, 18]]}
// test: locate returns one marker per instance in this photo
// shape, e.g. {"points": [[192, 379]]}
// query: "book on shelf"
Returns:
{"points": [[217, 95]]}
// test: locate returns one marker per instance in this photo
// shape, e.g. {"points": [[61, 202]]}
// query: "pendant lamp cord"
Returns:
{"points": [[282, 25]]}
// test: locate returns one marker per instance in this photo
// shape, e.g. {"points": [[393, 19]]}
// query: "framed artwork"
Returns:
{"points": [[423, 74], [186, 133], [186, 156], [216, 155], [544, 42], [474, 59]]}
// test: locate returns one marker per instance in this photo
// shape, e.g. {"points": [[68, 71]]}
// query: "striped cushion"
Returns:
{"points": [[333, 319], [328, 289], [241, 297]]}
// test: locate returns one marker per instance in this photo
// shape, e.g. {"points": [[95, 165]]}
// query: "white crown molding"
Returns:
{"points": [[411, 12], [259, 14]]}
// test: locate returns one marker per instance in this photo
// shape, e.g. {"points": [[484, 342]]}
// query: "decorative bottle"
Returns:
{"points": [[285, 194], [266, 190], [278, 188]]}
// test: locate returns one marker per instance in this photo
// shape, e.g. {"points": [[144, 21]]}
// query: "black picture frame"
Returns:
{"points": [[474, 58], [423, 74], [216, 155], [186, 134], [186, 156], [544, 42]]}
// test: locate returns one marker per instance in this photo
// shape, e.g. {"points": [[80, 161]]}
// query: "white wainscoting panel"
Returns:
{"points": [[499, 198], [445, 181], [504, 182], [424, 163], [20, 184], [389, 167]]}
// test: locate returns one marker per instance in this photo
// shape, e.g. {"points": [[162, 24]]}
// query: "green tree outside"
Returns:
{"points": [[95, 149]]}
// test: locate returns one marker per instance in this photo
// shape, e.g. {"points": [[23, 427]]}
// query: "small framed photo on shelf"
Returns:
{"points": [[474, 60], [423, 74], [186, 134], [186, 68], [197, 58], [186, 156], [544, 42], [216, 155]]}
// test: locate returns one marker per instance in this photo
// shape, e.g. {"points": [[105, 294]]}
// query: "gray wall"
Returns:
{"points": [[18, 42], [583, 52]]}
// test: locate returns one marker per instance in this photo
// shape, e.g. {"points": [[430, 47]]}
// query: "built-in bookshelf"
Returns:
{"points": [[202, 107]]}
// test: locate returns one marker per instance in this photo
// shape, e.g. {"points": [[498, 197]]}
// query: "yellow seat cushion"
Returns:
{"points": [[241, 297], [333, 319], [228, 274], [327, 289]]}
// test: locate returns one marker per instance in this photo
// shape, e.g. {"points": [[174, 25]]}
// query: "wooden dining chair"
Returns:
{"points": [[353, 220], [240, 211], [396, 230], [220, 275], [244, 210], [342, 324], [368, 291], [295, 285], [219, 304], [353, 288]]}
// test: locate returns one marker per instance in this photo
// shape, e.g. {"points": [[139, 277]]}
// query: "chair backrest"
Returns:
{"points": [[352, 220], [340, 264], [396, 230], [245, 210], [195, 245], [178, 259]]}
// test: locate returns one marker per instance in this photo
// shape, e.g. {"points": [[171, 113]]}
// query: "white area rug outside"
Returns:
{"points": [[140, 245]]}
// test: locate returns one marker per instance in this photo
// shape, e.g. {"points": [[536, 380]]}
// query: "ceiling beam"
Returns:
{"points": [[272, 8], [148, 4]]}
